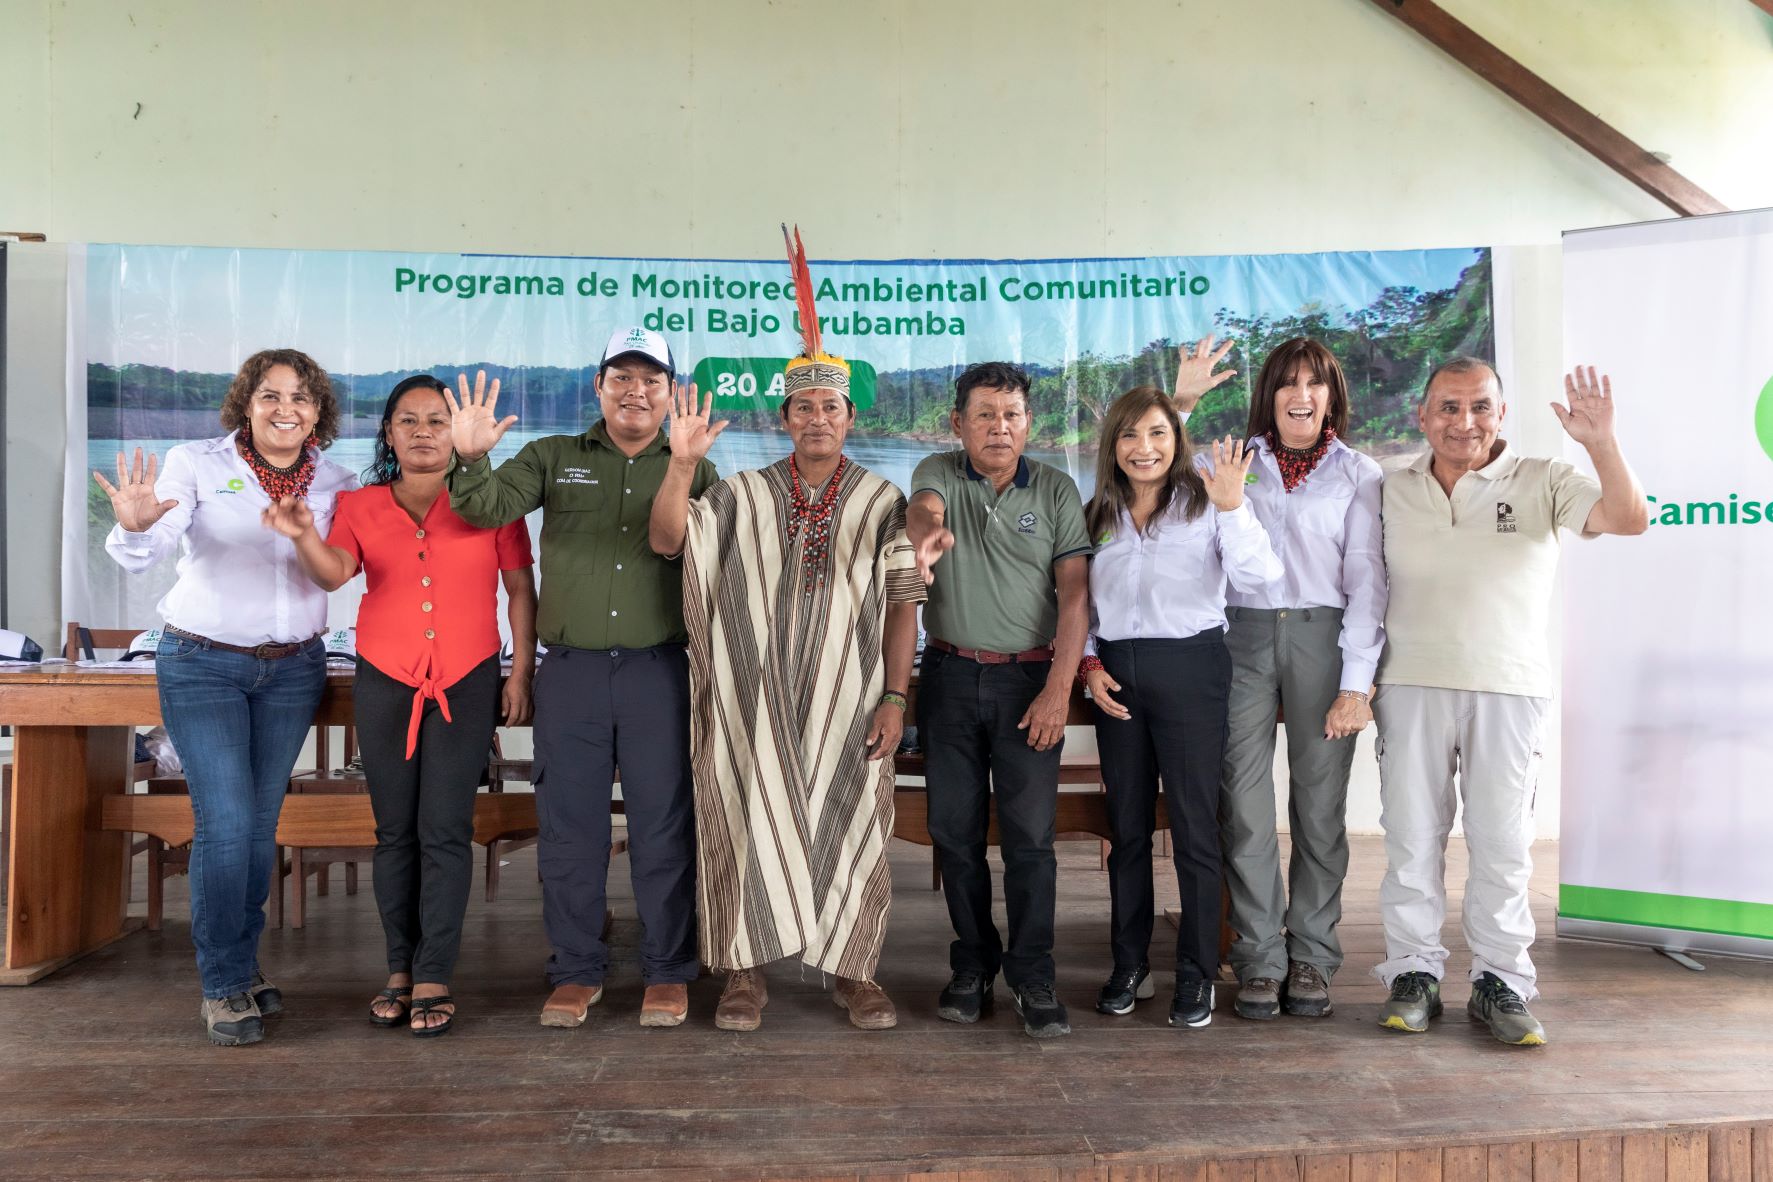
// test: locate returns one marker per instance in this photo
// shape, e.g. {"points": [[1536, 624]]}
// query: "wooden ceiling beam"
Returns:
{"points": [[1590, 131]]}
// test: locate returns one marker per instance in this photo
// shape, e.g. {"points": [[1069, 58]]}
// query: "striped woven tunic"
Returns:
{"points": [[792, 818]]}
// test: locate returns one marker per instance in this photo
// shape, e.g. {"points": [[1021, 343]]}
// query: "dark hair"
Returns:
{"points": [[385, 468], [992, 375], [1282, 364], [236, 412], [1458, 363], [636, 355], [1114, 492]]}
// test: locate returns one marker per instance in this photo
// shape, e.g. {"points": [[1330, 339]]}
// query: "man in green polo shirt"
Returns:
{"points": [[614, 687], [1006, 621]]}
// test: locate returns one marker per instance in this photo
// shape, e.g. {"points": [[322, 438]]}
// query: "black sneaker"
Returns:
{"points": [[232, 1021], [1124, 987], [1043, 1014], [1415, 998], [1193, 1003], [967, 997]]}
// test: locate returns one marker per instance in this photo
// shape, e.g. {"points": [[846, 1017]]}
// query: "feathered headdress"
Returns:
{"points": [[814, 368]]}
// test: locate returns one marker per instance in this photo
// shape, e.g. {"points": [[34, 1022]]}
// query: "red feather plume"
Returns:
{"points": [[803, 292]]}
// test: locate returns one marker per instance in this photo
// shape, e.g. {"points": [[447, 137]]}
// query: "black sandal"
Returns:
{"points": [[424, 1005], [400, 995]]}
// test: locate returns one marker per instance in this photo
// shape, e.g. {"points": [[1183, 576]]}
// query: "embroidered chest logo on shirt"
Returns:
{"points": [[575, 476], [234, 486], [1025, 523], [1504, 517]]}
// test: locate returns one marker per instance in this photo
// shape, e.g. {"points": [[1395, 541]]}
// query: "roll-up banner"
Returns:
{"points": [[159, 331], [1667, 800]]}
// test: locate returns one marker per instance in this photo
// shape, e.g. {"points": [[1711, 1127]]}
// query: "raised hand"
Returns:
{"points": [[290, 517], [691, 433], [1195, 376], [1225, 483], [474, 427], [1589, 418], [132, 498], [929, 551]]}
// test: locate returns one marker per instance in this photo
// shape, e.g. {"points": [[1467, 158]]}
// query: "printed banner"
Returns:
{"points": [[1668, 658], [166, 327]]}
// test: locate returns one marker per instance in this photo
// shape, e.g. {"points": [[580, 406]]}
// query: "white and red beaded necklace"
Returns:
{"points": [[816, 519]]}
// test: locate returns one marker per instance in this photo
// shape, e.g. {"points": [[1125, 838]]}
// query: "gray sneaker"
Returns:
{"points": [[1308, 994], [1502, 1010], [1415, 998], [1258, 999], [232, 1021]]}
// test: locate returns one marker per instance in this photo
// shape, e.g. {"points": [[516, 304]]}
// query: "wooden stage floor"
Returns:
{"points": [[1653, 1071]]}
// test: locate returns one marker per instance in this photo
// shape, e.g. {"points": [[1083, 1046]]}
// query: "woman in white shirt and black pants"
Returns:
{"points": [[241, 663], [1169, 534]]}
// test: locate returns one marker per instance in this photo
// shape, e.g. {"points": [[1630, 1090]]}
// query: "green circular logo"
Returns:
{"points": [[1764, 419], [236, 484]]}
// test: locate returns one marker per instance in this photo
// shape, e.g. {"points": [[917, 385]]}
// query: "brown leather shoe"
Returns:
{"points": [[742, 1001], [568, 1004], [869, 1006], [664, 1005]]}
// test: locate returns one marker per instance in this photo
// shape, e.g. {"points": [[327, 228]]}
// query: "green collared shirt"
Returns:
{"points": [[995, 589], [602, 585]]}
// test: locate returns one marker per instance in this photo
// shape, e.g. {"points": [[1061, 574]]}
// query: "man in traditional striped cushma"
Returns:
{"points": [[800, 597]]}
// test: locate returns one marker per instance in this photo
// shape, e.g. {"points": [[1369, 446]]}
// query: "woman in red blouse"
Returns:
{"points": [[427, 690]]}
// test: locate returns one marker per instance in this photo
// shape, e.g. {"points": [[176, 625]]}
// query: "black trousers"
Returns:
{"points": [[966, 718], [1178, 692], [597, 710], [424, 809]]}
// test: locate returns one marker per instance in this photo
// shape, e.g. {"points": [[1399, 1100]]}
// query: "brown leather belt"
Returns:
{"points": [[264, 652], [986, 656]]}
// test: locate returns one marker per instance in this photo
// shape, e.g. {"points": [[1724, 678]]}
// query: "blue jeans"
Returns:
{"points": [[238, 722]]}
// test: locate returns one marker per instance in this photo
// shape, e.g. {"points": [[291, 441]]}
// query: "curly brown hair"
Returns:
{"points": [[236, 411]]}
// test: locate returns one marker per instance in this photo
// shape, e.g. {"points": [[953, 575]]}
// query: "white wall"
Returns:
{"points": [[959, 128]]}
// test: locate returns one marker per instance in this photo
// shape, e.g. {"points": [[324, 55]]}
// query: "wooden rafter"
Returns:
{"points": [[1587, 129]]}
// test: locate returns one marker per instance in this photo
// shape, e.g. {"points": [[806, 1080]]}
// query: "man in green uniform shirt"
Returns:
{"points": [[614, 687]]}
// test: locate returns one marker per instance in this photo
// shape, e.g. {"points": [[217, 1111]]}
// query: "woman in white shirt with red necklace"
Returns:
{"points": [[241, 663], [1169, 535], [1307, 644]]}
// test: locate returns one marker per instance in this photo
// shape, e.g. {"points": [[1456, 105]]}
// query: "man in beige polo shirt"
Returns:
{"points": [[1471, 549]]}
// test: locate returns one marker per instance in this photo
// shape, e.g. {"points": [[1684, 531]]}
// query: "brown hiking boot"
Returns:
{"points": [[1308, 994], [1258, 999], [568, 1004], [869, 1006], [665, 1005], [742, 1001]]}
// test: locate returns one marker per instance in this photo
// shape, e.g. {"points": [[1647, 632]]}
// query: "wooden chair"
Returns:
{"points": [[317, 861]]}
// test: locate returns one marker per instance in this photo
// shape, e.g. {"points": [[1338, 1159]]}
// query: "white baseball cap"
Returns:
{"points": [[642, 342]]}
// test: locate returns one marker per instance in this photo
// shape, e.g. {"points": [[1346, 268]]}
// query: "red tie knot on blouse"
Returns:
{"points": [[430, 614]]}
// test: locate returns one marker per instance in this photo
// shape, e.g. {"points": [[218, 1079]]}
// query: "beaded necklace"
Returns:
{"points": [[1296, 463], [278, 483], [814, 518]]}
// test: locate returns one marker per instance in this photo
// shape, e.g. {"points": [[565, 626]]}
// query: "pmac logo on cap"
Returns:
{"points": [[1025, 523], [639, 336]]}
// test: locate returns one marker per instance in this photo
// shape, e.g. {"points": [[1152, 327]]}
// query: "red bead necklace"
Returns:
{"points": [[815, 519]]}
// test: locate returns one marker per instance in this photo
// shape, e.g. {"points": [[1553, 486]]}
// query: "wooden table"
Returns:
{"points": [[73, 745]]}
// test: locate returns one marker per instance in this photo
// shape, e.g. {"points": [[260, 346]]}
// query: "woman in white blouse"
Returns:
{"points": [[1169, 534], [241, 664], [1308, 645]]}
